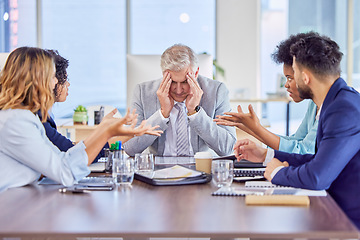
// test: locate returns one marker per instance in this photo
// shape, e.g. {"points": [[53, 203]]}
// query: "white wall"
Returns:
{"points": [[238, 45]]}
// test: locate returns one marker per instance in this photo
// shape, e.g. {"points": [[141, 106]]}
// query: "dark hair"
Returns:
{"points": [[319, 54], [282, 51], [61, 64]]}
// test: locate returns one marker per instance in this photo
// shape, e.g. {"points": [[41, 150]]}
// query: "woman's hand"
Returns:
{"points": [[126, 126], [240, 119]]}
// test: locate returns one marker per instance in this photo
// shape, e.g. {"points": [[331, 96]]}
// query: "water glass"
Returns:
{"points": [[144, 162], [222, 172], [123, 169], [111, 154]]}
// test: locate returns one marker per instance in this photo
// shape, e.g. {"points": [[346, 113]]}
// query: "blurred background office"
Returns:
{"points": [[97, 35]]}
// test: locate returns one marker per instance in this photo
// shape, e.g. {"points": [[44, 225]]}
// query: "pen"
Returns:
{"points": [[68, 190]]}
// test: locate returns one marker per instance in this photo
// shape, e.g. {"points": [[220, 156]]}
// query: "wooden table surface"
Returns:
{"points": [[163, 211]]}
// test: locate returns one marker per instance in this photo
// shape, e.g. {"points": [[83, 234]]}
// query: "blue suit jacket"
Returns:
{"points": [[61, 141], [335, 166]]}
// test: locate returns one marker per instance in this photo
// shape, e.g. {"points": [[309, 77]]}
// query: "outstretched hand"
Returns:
{"points": [[240, 119], [118, 126], [110, 115]]}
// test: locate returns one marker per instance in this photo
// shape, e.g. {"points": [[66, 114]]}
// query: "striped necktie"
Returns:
{"points": [[182, 139]]}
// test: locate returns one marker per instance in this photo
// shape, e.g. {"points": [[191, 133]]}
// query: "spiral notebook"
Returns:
{"points": [[238, 191], [266, 188], [283, 190]]}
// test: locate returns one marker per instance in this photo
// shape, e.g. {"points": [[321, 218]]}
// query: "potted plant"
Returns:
{"points": [[80, 115]]}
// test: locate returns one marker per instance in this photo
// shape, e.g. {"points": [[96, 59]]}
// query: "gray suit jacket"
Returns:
{"points": [[204, 132]]}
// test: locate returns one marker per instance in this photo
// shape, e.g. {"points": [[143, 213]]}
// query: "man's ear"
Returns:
{"points": [[306, 76]]}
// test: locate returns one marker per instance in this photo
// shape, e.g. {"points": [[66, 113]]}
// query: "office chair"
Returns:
{"points": [[141, 68]]}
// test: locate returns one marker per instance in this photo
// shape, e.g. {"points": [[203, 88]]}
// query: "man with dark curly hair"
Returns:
{"points": [[335, 166], [303, 140]]}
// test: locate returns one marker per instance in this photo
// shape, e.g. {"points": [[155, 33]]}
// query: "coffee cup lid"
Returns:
{"points": [[203, 155]]}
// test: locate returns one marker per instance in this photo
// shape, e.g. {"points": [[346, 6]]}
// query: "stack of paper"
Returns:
{"points": [[176, 172]]}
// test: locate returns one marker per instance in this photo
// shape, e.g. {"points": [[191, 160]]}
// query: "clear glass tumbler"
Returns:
{"points": [[123, 169], [222, 172], [144, 162]]}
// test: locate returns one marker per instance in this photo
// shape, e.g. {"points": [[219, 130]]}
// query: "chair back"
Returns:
{"points": [[141, 68]]}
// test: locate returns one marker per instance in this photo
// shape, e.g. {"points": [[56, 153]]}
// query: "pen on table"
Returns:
{"points": [[68, 190]]}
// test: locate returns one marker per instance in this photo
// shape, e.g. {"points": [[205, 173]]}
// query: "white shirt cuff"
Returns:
{"points": [[269, 156], [164, 119], [276, 171]]}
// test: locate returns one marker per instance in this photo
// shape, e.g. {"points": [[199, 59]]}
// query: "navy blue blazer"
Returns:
{"points": [[335, 166], [61, 141]]}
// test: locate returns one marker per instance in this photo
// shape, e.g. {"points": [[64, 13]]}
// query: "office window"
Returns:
{"points": [[156, 25], [91, 34], [17, 24]]}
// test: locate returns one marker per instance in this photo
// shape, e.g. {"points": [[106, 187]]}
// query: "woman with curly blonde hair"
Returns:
{"points": [[26, 88]]}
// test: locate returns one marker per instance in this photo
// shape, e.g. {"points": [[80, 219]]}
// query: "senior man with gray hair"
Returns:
{"points": [[184, 107]]}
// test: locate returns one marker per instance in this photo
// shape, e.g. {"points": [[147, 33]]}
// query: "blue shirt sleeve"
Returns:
{"points": [[303, 141]]}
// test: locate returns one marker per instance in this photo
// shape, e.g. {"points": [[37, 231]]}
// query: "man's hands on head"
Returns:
{"points": [[163, 93], [247, 149], [194, 97]]}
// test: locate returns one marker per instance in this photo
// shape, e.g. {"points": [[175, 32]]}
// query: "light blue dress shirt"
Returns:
{"points": [[303, 141], [26, 153]]}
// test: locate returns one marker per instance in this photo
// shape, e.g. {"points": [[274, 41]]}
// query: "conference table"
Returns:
{"points": [[145, 211]]}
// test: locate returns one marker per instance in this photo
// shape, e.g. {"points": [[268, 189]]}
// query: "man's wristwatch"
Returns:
{"points": [[197, 109]]}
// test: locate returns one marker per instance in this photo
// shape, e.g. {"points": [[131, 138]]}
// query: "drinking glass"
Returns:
{"points": [[144, 162], [123, 169], [222, 172]]}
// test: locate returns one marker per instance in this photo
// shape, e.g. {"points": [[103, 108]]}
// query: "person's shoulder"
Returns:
{"points": [[348, 94], [346, 102], [148, 85], [18, 119], [18, 114]]}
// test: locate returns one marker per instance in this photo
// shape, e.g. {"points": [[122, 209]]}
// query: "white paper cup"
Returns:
{"points": [[203, 161]]}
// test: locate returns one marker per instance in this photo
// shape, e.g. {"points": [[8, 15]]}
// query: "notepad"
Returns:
{"points": [[283, 200], [283, 190], [238, 191]]}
